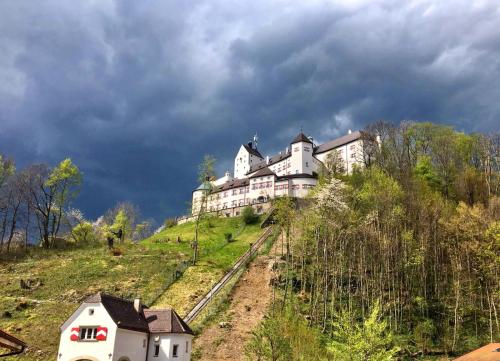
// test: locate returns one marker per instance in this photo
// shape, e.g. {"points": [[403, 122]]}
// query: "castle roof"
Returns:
{"points": [[234, 183], [203, 187], [348, 138], [252, 150], [262, 172], [272, 160], [294, 176], [125, 316], [301, 137]]}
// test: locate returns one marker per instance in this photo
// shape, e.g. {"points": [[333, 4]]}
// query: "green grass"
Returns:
{"points": [[69, 276], [146, 270], [216, 257]]}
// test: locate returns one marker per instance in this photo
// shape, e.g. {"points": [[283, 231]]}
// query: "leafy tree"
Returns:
{"points": [[334, 164], [206, 173], [249, 216], [83, 233], [285, 335], [369, 340], [63, 182], [122, 223], [268, 342]]}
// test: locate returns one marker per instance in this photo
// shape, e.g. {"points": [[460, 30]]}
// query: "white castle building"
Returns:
{"points": [[292, 172]]}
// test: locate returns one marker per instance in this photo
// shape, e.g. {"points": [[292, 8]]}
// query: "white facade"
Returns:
{"points": [[351, 155], [166, 343], [88, 315], [292, 172], [245, 158], [130, 345]]}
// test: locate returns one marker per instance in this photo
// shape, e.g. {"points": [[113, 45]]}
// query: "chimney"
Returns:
{"points": [[280, 152], [138, 305], [267, 159], [286, 150], [349, 131], [227, 174]]}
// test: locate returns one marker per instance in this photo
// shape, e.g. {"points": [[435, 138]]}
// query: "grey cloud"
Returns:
{"points": [[137, 91]]}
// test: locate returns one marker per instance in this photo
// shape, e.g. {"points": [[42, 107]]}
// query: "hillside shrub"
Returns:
{"points": [[228, 236], [170, 222], [83, 233], [249, 216]]}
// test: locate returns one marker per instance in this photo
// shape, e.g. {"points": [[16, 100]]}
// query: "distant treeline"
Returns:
{"points": [[35, 208], [401, 257]]}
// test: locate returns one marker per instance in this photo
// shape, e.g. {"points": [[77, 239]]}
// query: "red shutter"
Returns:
{"points": [[102, 333], [75, 334]]}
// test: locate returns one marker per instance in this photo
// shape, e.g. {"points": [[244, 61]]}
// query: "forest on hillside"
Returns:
{"points": [[399, 259]]}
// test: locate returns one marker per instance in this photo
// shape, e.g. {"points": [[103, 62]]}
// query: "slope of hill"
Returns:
{"points": [[59, 279], [216, 257]]}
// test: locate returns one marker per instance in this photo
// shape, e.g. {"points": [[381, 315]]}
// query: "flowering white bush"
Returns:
{"points": [[331, 196]]}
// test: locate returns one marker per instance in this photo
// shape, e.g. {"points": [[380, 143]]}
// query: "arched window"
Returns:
{"points": [[124, 358]]}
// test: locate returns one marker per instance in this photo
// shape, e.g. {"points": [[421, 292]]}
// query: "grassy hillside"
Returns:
{"points": [[62, 278], [216, 256]]}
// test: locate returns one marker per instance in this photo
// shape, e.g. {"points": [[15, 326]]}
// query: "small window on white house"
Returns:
{"points": [[88, 333], [157, 350], [91, 311], [175, 351], [187, 346]]}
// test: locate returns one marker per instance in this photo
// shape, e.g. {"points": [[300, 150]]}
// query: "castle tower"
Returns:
{"points": [[247, 155], [302, 155]]}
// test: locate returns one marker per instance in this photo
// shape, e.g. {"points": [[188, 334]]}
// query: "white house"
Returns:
{"points": [[292, 172], [108, 328]]}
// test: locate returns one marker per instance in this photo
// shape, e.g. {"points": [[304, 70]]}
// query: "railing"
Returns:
{"points": [[220, 284]]}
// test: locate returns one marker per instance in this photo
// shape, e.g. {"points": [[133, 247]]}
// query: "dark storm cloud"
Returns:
{"points": [[137, 91]]}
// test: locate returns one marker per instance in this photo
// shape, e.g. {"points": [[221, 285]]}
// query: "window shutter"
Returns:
{"points": [[102, 333], [75, 334]]}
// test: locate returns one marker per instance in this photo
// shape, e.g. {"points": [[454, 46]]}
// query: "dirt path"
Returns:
{"points": [[248, 304]]}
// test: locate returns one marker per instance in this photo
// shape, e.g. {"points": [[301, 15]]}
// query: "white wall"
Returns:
{"points": [[100, 350], [130, 344], [282, 167], [350, 153], [261, 187], [166, 342], [302, 158], [243, 161]]}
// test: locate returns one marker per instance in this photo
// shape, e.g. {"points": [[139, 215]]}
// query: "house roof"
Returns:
{"points": [[262, 172], [301, 137], [166, 320], [490, 352], [348, 138], [121, 311], [125, 316], [252, 151]]}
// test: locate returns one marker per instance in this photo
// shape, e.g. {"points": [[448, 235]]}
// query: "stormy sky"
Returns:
{"points": [[136, 92]]}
